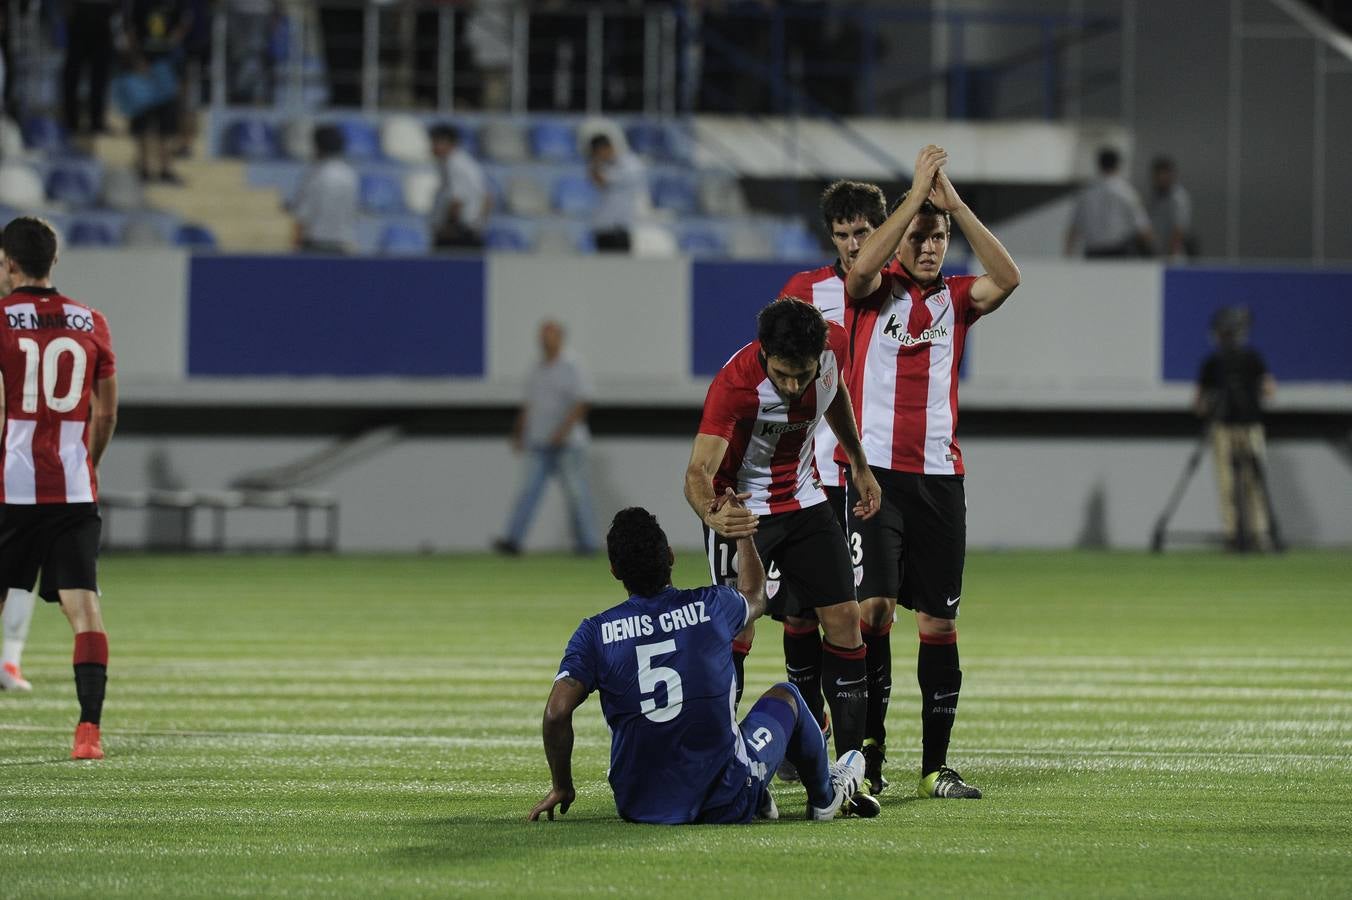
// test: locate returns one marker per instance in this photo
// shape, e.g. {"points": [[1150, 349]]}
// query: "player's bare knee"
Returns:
{"points": [[784, 692], [928, 624], [877, 612], [841, 623]]}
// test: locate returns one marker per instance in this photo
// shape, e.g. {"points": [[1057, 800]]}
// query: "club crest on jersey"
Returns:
{"points": [[828, 379], [896, 329], [28, 319]]}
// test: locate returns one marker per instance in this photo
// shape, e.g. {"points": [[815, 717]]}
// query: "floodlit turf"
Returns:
{"points": [[1176, 726]]}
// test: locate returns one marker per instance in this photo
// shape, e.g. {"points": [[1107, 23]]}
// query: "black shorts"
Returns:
{"points": [[162, 119], [803, 549], [838, 498], [915, 547], [60, 540]]}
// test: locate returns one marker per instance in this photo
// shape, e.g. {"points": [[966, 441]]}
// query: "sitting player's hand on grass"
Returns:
{"points": [[560, 798]]}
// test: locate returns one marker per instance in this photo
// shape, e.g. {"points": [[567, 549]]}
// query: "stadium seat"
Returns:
{"points": [[122, 189], [361, 140], [674, 192], [746, 241], [298, 139], [575, 195], [381, 193], [21, 187], [505, 235], [525, 197], [91, 233], [142, 230], [503, 142], [404, 138], [794, 242], [72, 185], [11, 138], [420, 190], [552, 141], [404, 239], [194, 237], [250, 138], [44, 133], [721, 196], [697, 239]]}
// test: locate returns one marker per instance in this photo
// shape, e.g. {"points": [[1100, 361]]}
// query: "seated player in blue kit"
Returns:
{"points": [[662, 663]]}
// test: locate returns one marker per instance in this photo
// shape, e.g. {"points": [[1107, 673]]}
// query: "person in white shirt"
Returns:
{"points": [[623, 183], [1170, 211], [325, 206], [1109, 219], [463, 200]]}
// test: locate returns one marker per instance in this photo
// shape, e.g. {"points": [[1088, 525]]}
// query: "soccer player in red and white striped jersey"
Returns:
{"points": [[59, 411], [850, 211], [755, 439], [907, 327]]}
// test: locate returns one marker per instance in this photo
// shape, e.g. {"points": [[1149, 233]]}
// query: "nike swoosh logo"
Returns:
{"points": [[796, 669], [843, 683], [772, 408], [954, 601], [938, 696]]}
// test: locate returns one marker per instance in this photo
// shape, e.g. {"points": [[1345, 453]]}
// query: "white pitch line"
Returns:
{"points": [[449, 741]]}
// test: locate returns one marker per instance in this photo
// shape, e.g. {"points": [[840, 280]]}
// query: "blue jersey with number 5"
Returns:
{"points": [[663, 666]]}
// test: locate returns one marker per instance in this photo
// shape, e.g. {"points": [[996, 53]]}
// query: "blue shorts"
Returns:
{"points": [[740, 791]]}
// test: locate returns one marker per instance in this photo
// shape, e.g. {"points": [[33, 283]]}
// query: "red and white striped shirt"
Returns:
{"points": [[906, 344], [824, 288], [52, 350], [769, 438]]}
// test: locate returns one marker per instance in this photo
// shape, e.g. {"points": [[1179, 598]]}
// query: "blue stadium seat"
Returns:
{"points": [[361, 139], [794, 242], [553, 142], [381, 193], [507, 236], [647, 139], [676, 193], [697, 239], [574, 195], [251, 139], [194, 237], [72, 185], [404, 239], [44, 133], [91, 233]]}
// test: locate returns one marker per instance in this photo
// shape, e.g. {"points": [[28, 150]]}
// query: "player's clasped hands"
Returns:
{"points": [[927, 165], [727, 514]]}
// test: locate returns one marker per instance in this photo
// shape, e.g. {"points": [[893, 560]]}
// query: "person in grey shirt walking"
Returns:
{"points": [[325, 206], [551, 430]]}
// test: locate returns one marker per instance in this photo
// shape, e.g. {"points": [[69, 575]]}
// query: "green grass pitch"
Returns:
{"points": [[1142, 726]]}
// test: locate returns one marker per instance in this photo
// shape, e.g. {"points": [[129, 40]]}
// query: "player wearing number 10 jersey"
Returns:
{"points": [[661, 663], [60, 407]]}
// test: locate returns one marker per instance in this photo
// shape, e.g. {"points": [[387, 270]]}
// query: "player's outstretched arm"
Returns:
{"points": [[865, 276], [750, 568], [566, 696], [732, 520], [1002, 275]]}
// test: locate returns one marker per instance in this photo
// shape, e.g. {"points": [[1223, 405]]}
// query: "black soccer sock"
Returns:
{"points": [[803, 663], [845, 680], [878, 643], [91, 673], [739, 651], [940, 681]]}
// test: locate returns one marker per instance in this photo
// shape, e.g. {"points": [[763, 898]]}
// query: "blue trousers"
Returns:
{"points": [[570, 465]]}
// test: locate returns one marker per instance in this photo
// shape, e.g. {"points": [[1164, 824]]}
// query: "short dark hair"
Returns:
{"points": [[640, 555], [926, 209], [791, 329], [329, 141], [598, 141], [31, 243], [1108, 160], [845, 201], [445, 131]]}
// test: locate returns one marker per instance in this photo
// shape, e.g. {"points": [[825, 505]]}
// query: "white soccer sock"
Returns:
{"points": [[18, 612]]}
